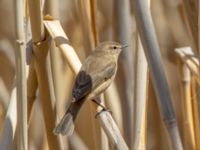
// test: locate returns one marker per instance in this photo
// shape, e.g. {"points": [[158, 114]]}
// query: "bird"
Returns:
{"points": [[95, 76]]}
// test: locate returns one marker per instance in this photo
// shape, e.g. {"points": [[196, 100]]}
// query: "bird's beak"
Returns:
{"points": [[124, 46]]}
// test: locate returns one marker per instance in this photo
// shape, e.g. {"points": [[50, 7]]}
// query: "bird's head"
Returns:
{"points": [[111, 47]]}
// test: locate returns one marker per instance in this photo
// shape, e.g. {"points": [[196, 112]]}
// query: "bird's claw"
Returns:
{"points": [[103, 110]]}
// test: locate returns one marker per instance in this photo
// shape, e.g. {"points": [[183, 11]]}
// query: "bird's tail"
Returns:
{"points": [[66, 125]]}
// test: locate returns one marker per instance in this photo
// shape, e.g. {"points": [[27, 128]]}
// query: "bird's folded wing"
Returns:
{"points": [[82, 86]]}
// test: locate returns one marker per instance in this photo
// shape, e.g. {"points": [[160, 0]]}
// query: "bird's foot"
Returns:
{"points": [[103, 110], [102, 106], [99, 104]]}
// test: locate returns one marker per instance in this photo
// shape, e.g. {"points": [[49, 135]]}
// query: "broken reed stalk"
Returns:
{"points": [[190, 60], [41, 47], [152, 52], [61, 40], [188, 122], [10, 123], [58, 35], [122, 34], [52, 8], [20, 58], [140, 98], [188, 57]]}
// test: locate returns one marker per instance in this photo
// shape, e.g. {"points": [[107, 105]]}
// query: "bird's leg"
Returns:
{"points": [[102, 106], [98, 103]]}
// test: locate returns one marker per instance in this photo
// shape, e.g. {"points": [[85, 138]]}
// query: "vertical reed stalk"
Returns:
{"points": [[191, 10], [21, 77], [93, 22], [77, 142], [141, 84], [196, 111], [94, 43], [152, 52], [122, 34], [199, 29], [87, 18], [52, 8], [41, 64], [32, 85], [188, 122], [10, 124]]}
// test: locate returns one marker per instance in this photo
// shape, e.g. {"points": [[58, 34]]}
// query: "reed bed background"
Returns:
{"points": [[155, 96]]}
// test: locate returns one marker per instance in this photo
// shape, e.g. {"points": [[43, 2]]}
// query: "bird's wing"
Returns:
{"points": [[82, 86], [91, 77]]}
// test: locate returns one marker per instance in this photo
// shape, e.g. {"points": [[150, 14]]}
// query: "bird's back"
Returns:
{"points": [[97, 62]]}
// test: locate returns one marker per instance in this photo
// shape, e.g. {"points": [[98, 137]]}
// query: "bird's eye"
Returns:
{"points": [[114, 47]]}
